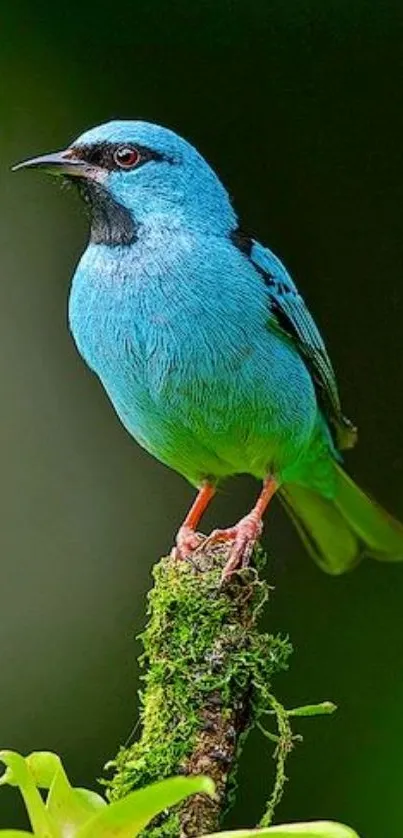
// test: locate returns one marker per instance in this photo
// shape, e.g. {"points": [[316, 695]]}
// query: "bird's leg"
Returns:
{"points": [[187, 539], [246, 532]]}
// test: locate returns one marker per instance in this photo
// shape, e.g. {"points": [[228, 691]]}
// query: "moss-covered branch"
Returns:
{"points": [[207, 680]]}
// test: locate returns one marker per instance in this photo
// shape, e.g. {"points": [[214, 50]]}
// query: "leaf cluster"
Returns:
{"points": [[62, 811]]}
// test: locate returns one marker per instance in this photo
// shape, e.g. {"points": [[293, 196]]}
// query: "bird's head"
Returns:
{"points": [[135, 174]]}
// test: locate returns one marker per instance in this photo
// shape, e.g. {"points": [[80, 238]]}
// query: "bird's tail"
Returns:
{"points": [[338, 532]]}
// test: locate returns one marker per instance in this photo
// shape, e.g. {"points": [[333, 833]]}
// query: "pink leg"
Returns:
{"points": [[187, 539], [246, 532]]}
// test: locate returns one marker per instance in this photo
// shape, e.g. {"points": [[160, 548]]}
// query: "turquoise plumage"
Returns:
{"points": [[205, 347]]}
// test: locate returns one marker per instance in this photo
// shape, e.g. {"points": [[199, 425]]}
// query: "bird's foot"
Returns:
{"points": [[187, 541], [244, 536]]}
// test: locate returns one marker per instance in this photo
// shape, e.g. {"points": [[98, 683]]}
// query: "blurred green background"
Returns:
{"points": [[299, 107]]}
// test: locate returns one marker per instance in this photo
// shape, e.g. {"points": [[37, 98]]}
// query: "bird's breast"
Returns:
{"points": [[164, 306]]}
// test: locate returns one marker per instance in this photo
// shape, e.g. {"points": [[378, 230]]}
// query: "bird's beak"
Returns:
{"points": [[62, 163]]}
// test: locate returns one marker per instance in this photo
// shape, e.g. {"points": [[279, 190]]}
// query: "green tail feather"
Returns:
{"points": [[339, 532]]}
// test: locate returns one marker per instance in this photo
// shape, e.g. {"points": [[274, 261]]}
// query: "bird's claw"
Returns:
{"points": [[244, 536], [187, 541]]}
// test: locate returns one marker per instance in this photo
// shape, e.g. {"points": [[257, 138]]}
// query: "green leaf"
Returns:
{"points": [[317, 829], [13, 833], [69, 810], [127, 817], [18, 774], [322, 709], [43, 766], [92, 799]]}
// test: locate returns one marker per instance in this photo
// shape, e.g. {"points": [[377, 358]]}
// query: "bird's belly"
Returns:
{"points": [[250, 411]]}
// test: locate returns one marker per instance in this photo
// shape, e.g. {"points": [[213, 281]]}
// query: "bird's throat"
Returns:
{"points": [[111, 223]]}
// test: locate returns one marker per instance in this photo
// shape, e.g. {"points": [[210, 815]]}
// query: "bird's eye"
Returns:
{"points": [[126, 157]]}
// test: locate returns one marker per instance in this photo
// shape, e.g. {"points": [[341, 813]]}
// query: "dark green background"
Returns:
{"points": [[299, 107]]}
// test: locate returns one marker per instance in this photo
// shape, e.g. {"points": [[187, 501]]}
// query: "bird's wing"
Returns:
{"points": [[293, 318]]}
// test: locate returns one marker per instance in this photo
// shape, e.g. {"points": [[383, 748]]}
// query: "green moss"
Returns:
{"points": [[201, 645]]}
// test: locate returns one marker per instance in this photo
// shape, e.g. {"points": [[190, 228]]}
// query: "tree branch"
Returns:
{"points": [[207, 681]]}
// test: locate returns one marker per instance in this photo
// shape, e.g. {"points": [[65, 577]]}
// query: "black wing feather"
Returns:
{"points": [[295, 320]]}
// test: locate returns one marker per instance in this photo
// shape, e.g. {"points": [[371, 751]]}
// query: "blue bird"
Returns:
{"points": [[206, 348]]}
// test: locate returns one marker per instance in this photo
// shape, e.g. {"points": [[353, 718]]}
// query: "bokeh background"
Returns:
{"points": [[298, 105]]}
